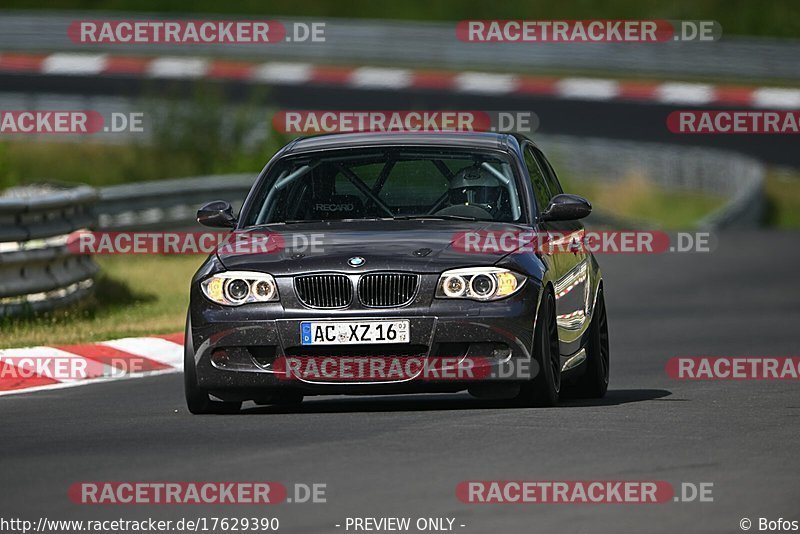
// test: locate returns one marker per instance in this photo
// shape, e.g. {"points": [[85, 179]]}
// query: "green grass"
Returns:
{"points": [[88, 163], [638, 199], [191, 134], [134, 296], [782, 190]]}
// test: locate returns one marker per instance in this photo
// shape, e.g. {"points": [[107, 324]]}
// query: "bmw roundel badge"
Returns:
{"points": [[356, 261]]}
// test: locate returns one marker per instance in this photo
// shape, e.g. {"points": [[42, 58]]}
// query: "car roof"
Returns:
{"points": [[489, 140]]}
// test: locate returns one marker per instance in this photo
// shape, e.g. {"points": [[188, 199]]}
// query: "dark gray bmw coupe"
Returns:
{"points": [[396, 263]]}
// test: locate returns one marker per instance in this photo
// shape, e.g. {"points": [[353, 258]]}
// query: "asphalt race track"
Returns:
{"points": [[404, 455]]}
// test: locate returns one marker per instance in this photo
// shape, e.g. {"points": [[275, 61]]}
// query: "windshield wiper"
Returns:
{"points": [[300, 221], [435, 217], [397, 218], [278, 223]]}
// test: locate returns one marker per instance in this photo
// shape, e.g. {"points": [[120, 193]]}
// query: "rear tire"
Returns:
{"points": [[593, 384], [543, 389], [198, 400]]}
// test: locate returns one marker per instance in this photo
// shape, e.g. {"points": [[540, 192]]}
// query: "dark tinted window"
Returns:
{"points": [[549, 174], [540, 189], [388, 182]]}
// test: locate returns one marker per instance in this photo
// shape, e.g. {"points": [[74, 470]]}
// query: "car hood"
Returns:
{"points": [[422, 246]]}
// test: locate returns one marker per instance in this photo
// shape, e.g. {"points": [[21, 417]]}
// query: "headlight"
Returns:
{"points": [[233, 288], [479, 283]]}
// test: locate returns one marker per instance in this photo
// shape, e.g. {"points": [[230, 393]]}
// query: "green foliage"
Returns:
{"points": [[199, 134]]}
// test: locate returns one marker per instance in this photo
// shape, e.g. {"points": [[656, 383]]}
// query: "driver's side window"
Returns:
{"points": [[549, 173], [540, 189]]}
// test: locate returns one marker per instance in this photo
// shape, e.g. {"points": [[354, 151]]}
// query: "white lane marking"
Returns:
{"points": [[289, 73], [476, 82], [152, 348], [177, 67], [776, 97], [378, 77], [588, 88], [156, 349], [74, 64], [684, 93], [485, 82]]}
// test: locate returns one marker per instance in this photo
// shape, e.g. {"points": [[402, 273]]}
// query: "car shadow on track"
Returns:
{"points": [[615, 397], [422, 402]]}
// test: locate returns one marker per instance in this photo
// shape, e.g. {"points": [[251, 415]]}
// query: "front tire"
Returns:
{"points": [[543, 389], [197, 400], [593, 384]]}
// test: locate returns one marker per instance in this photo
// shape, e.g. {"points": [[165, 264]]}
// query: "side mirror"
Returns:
{"points": [[565, 207], [217, 214]]}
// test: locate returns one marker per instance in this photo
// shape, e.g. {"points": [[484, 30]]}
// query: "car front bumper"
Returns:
{"points": [[238, 352]]}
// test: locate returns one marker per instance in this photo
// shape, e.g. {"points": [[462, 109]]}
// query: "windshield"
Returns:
{"points": [[383, 183]]}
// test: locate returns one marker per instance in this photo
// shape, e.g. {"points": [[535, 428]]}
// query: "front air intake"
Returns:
{"points": [[324, 290], [387, 290]]}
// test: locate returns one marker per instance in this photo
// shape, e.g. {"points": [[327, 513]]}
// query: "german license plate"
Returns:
{"points": [[354, 332]]}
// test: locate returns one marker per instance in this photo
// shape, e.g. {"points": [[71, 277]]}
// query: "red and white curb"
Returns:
{"points": [[282, 73], [42, 368]]}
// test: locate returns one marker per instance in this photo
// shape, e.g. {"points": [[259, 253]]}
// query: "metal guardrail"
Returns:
{"points": [[435, 44], [746, 208], [167, 203], [37, 271]]}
